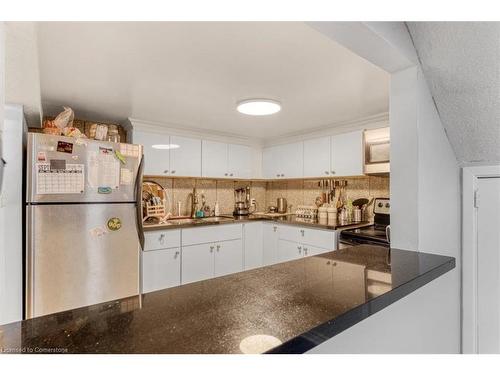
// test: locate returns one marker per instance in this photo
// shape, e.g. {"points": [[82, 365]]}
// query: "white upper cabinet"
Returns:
{"points": [[292, 160], [226, 160], [239, 161], [317, 157], [270, 163], [185, 160], [214, 159], [347, 154], [156, 160], [283, 161]]}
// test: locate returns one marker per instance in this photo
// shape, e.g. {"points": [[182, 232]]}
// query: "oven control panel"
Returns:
{"points": [[382, 206]]}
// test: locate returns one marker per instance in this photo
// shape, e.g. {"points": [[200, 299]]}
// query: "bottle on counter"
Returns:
{"points": [[216, 209]]}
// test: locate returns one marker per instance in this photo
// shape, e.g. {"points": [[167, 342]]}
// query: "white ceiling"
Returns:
{"points": [[461, 62], [193, 73]]}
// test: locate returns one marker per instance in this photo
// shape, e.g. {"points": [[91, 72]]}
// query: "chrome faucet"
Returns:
{"points": [[194, 203]]}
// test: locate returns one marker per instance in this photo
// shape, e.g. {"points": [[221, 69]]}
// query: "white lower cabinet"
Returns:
{"points": [[309, 250], [196, 254], [228, 257], [197, 262], [161, 269], [205, 261], [270, 234], [288, 250], [253, 249]]}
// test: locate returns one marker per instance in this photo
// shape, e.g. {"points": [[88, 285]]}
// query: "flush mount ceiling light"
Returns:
{"points": [[169, 146], [258, 107]]}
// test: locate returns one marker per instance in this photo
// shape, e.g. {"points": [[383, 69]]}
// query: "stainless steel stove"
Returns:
{"points": [[375, 234]]}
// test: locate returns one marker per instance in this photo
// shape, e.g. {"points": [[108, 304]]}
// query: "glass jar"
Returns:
{"points": [[113, 134]]}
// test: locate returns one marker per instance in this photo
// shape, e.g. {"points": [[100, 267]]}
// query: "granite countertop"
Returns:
{"points": [[301, 303], [288, 220]]}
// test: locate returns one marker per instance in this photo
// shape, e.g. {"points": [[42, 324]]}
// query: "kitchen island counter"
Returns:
{"points": [[298, 305]]}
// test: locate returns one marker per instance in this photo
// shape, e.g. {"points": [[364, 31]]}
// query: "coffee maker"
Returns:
{"points": [[242, 201]]}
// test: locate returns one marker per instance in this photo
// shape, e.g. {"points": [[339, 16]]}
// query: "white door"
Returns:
{"points": [[270, 234], [156, 152], [291, 160], [197, 262], [317, 157], [161, 269], [239, 161], [214, 159], [347, 154], [228, 257], [488, 265], [288, 250], [270, 163], [253, 250], [185, 156]]}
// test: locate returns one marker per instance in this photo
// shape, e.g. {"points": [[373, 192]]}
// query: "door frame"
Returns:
{"points": [[470, 176]]}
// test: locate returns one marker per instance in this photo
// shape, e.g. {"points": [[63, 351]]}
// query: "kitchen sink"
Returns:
{"points": [[201, 220]]}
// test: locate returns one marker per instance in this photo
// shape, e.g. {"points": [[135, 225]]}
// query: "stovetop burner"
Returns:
{"points": [[373, 234]]}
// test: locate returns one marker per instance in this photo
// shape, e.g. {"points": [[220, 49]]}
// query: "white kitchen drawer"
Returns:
{"points": [[211, 233], [290, 233], [161, 269], [162, 239], [326, 239]]}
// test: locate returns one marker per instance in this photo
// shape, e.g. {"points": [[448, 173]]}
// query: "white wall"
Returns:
{"points": [[22, 76], [425, 190], [418, 323], [2, 101], [404, 159], [11, 210]]}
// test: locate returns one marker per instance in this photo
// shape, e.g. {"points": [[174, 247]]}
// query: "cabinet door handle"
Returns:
{"points": [[302, 232], [282, 175], [211, 249], [176, 254], [278, 175], [333, 172], [225, 174], [326, 172], [300, 249], [218, 247], [162, 238], [275, 228], [305, 250], [173, 171], [165, 171], [230, 174]]}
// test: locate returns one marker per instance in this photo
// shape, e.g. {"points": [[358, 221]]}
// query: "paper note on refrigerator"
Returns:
{"points": [[103, 170]]}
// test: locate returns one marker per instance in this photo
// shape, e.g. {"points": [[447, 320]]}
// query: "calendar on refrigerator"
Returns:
{"points": [[60, 179]]}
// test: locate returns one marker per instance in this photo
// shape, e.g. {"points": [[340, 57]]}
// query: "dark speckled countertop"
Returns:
{"points": [[288, 220], [301, 303]]}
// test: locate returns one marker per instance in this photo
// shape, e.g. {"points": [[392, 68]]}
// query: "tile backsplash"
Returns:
{"points": [[296, 192]]}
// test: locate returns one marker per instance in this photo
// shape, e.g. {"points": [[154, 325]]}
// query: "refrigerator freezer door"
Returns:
{"points": [[80, 255], [64, 169]]}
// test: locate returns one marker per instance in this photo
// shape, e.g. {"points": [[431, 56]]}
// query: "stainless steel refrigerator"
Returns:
{"points": [[83, 227]]}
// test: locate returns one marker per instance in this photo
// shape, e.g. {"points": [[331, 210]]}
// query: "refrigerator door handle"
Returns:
{"points": [[29, 291], [138, 202]]}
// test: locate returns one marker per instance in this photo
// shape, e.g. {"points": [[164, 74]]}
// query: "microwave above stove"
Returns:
{"points": [[377, 151]]}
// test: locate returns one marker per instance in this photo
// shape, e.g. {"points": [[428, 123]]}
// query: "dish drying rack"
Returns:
{"points": [[154, 201]]}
